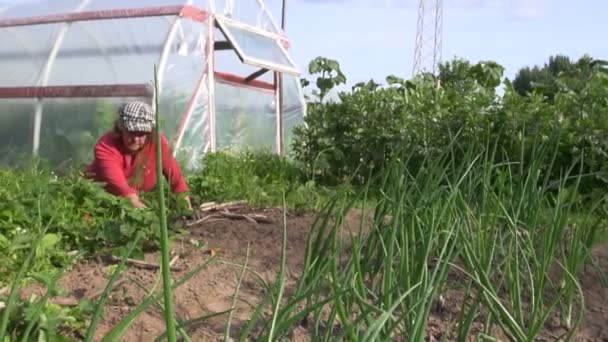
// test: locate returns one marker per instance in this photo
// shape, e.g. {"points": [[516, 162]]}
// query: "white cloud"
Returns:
{"points": [[530, 9], [521, 9]]}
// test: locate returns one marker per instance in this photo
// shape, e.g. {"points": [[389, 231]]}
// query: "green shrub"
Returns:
{"points": [[260, 178], [354, 137]]}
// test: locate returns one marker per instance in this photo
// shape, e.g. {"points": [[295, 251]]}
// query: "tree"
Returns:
{"points": [[558, 74]]}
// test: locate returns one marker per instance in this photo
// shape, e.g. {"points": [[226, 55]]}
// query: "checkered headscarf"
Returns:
{"points": [[136, 116]]}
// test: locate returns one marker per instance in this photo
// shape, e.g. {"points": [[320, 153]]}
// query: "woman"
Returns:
{"points": [[125, 159]]}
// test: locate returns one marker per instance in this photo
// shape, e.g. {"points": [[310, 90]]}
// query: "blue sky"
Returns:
{"points": [[375, 38]]}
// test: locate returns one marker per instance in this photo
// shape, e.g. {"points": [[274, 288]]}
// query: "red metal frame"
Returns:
{"points": [[112, 90], [185, 11], [241, 81], [194, 13]]}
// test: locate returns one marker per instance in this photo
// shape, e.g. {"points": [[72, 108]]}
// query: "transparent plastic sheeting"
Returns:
{"points": [[15, 130], [34, 8], [251, 12], [69, 128], [294, 108], [124, 51], [257, 48], [227, 61], [195, 141], [117, 51], [244, 118]]}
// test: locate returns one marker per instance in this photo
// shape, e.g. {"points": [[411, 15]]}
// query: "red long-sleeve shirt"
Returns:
{"points": [[126, 174]]}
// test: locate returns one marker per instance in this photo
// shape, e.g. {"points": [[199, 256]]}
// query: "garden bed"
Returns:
{"points": [[212, 290]]}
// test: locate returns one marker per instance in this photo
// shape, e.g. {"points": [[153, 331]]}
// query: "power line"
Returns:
{"points": [[427, 53]]}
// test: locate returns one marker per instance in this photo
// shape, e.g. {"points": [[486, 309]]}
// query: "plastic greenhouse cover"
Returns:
{"points": [[22, 9], [252, 12], [24, 53], [114, 51], [256, 47], [117, 51], [245, 118], [14, 131], [195, 140], [122, 51], [34, 8], [294, 108], [228, 61]]}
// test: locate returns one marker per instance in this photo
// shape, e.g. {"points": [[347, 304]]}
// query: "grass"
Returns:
{"points": [[260, 178], [518, 241], [516, 238]]}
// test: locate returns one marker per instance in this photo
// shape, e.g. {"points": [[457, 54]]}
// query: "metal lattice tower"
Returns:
{"points": [[427, 54]]}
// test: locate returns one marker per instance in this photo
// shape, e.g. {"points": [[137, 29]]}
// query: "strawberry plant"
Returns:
{"points": [[84, 218]]}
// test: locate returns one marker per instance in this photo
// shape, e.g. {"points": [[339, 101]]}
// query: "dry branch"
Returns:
{"points": [[143, 264], [254, 218], [207, 205], [260, 218], [217, 220], [194, 223], [225, 214], [212, 206]]}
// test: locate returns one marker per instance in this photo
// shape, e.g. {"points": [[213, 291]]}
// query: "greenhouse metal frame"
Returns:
{"points": [[263, 47]]}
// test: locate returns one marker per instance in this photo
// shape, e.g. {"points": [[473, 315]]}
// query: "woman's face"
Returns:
{"points": [[134, 141]]}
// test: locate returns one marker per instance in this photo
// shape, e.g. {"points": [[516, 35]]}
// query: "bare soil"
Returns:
{"points": [[212, 290]]}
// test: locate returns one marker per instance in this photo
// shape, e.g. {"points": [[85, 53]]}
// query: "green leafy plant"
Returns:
{"points": [[260, 178], [330, 75]]}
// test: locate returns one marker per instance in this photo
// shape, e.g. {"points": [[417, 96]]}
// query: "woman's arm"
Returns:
{"points": [[108, 170]]}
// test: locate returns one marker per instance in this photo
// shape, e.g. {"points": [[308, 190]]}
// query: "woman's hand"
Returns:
{"points": [[187, 199], [137, 203]]}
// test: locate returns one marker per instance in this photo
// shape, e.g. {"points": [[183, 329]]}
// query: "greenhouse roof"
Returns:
{"points": [[43, 42]]}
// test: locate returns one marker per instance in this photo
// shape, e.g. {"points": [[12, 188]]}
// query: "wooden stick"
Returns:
{"points": [[193, 223], [250, 219], [218, 220], [260, 218], [142, 264], [231, 205], [207, 205], [230, 215]]}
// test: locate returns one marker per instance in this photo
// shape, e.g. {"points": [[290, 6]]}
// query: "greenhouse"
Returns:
{"points": [[225, 75]]}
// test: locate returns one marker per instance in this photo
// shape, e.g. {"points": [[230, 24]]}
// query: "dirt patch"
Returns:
{"points": [[595, 324], [212, 290]]}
